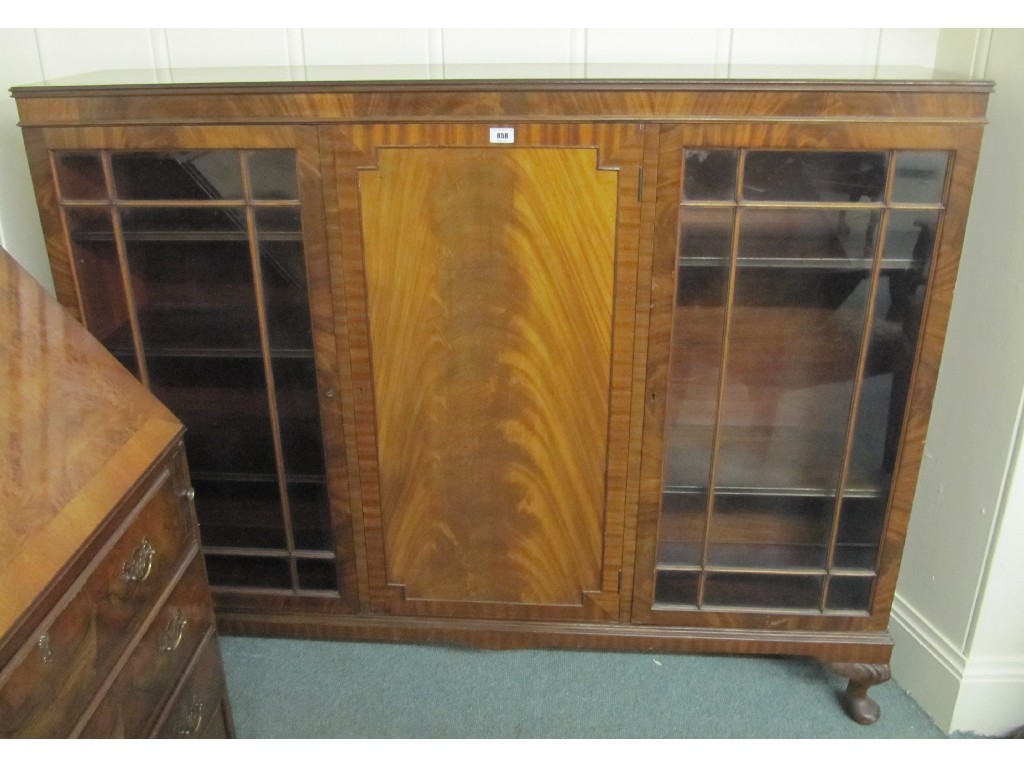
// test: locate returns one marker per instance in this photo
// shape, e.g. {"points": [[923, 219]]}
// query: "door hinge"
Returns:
{"points": [[620, 582], [640, 187]]}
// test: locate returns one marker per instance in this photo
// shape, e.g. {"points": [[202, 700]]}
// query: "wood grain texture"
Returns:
{"points": [[77, 430], [489, 273], [685, 101], [357, 126], [850, 645], [538, 311]]}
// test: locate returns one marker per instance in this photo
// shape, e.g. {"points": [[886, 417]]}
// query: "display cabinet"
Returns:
{"points": [[189, 262], [611, 363]]}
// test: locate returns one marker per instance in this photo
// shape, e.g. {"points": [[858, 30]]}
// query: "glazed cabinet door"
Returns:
{"points": [[802, 281], [489, 286], [196, 256]]}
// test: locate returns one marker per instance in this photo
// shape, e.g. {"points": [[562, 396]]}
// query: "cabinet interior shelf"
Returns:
{"points": [[256, 477], [669, 567], [123, 351], [301, 554], [796, 262], [860, 492], [173, 236]]}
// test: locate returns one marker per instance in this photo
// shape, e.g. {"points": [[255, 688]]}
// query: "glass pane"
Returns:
{"points": [[317, 575], [909, 239], [104, 303], [252, 572], [810, 176], [223, 404], [789, 379], [184, 224], [80, 176], [809, 237], [849, 593], [710, 175], [193, 296], [681, 530], [239, 513], [678, 587], [920, 177], [762, 591], [272, 174], [860, 531], [311, 515], [283, 268], [199, 175], [770, 531], [694, 369], [298, 409], [705, 234], [896, 320]]}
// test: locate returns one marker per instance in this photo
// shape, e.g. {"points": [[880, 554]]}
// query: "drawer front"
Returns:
{"points": [[157, 662], [49, 682], [199, 701]]}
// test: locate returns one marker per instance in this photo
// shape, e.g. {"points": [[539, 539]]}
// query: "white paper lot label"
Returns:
{"points": [[503, 135]]}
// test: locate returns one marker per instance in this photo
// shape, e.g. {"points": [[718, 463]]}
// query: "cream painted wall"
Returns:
{"points": [[35, 55], [954, 575], [958, 620]]}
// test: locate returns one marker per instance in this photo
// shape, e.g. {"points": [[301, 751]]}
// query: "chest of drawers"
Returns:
{"points": [[106, 619]]}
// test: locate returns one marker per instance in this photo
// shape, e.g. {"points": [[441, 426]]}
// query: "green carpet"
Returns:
{"points": [[313, 689]]}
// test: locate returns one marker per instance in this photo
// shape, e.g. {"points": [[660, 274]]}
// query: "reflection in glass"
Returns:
{"points": [[198, 175], [817, 237], [811, 176], [283, 269], [710, 175], [920, 177], [272, 174], [104, 302]]}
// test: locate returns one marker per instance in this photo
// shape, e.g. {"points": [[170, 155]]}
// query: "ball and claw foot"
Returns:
{"points": [[858, 705]]}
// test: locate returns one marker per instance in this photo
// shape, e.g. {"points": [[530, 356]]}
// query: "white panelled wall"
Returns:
{"points": [[958, 621]]}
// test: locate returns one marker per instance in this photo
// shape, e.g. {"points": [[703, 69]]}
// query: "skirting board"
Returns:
{"points": [[976, 695]]}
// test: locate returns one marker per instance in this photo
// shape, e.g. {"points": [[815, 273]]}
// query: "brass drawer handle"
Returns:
{"points": [[189, 726], [45, 647], [170, 638], [137, 569]]}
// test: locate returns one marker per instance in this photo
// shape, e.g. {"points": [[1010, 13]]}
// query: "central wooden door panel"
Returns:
{"points": [[490, 303]]}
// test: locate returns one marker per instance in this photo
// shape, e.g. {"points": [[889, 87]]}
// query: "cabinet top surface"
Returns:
{"points": [[76, 430], [500, 77]]}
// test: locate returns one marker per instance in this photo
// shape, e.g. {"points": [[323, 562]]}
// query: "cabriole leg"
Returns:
{"points": [[858, 705]]}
